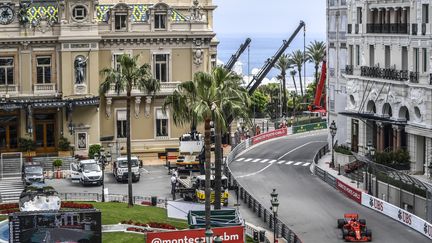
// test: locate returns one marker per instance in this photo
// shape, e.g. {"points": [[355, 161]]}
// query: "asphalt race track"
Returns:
{"points": [[308, 205]]}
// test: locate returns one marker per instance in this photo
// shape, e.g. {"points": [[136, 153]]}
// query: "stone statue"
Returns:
{"points": [[196, 12], [80, 68], [22, 13]]}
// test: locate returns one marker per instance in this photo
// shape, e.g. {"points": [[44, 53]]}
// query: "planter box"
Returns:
{"points": [[343, 159], [29, 154], [64, 153]]}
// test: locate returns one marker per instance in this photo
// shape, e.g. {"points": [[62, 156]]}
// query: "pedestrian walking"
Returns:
{"points": [[173, 185]]}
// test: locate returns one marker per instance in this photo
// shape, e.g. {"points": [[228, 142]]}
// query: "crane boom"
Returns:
{"points": [[234, 58], [257, 79]]}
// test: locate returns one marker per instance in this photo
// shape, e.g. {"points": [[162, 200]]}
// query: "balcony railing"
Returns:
{"points": [[387, 28], [384, 73], [8, 89], [349, 69], [166, 88], [49, 88], [414, 77]]}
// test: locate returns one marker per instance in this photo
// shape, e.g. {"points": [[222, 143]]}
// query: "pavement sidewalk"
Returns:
{"points": [[324, 163]]}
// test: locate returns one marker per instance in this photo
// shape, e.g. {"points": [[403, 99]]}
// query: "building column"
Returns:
{"points": [[399, 137], [380, 137], [395, 138]]}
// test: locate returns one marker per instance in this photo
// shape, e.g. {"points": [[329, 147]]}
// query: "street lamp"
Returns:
{"points": [[102, 159], [371, 154], [208, 235], [275, 204], [333, 130]]}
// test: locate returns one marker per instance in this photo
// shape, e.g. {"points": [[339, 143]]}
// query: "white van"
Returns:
{"points": [[90, 172], [120, 169]]}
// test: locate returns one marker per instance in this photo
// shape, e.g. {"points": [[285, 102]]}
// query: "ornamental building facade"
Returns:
{"points": [[389, 78], [51, 54]]}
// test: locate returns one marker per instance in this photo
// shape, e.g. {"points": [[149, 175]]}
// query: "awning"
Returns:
{"points": [[94, 101], [371, 117], [55, 104]]}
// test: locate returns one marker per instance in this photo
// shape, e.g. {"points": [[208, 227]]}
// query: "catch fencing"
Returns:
{"points": [[282, 230]]}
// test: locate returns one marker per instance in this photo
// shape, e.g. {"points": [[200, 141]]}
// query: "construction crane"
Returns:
{"points": [[234, 58], [316, 106], [257, 79]]}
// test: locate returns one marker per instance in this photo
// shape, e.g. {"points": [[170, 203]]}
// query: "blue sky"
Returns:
{"points": [[269, 17]]}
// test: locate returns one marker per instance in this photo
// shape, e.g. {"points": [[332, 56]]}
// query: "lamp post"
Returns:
{"points": [[102, 159], [333, 130], [208, 235], [275, 204], [371, 154]]}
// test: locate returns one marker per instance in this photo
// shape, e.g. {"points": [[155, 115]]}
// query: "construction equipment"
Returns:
{"points": [[316, 106], [234, 58], [257, 79]]}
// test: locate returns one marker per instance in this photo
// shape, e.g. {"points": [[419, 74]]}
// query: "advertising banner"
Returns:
{"points": [[349, 191], [227, 234], [269, 135], [397, 214], [309, 127]]}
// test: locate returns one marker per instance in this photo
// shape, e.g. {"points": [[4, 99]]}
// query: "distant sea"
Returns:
{"points": [[262, 47]]}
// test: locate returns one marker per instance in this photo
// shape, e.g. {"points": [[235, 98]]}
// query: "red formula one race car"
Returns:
{"points": [[354, 229]]}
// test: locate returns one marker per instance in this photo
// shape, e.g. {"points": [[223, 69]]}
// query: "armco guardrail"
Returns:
{"points": [[266, 215], [369, 201]]}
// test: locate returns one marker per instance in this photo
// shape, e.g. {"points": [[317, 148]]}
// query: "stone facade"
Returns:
{"points": [[390, 87], [51, 54], [336, 59]]}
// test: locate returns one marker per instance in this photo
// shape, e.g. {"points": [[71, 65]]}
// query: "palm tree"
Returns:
{"points": [[293, 72], [283, 64], [129, 76], [297, 59], [204, 99], [316, 53], [233, 101]]}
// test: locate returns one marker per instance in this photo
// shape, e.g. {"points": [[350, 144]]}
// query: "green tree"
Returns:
{"points": [[283, 64], [272, 92], [316, 54], [130, 75], [209, 97], [298, 59], [259, 102]]}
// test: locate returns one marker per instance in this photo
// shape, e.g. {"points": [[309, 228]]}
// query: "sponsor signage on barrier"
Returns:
{"points": [[309, 127], [228, 235], [398, 214], [351, 192], [269, 135]]}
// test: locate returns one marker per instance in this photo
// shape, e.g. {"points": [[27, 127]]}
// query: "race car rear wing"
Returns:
{"points": [[351, 216]]}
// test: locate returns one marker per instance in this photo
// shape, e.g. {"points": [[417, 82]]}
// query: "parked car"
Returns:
{"points": [[120, 169], [90, 172], [32, 173]]}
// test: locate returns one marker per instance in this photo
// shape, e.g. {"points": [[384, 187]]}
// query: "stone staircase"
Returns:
{"points": [[47, 162]]}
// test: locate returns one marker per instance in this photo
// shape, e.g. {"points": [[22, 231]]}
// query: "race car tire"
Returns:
{"points": [[362, 221], [344, 233], [341, 223], [368, 233]]}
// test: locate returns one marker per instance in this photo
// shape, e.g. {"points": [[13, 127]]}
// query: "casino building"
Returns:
{"points": [[51, 54]]}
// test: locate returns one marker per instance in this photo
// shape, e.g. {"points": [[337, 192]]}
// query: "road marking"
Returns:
{"points": [[247, 160], [263, 169], [298, 163], [264, 160], [306, 164], [289, 162], [255, 160], [240, 159], [272, 161], [281, 162]]}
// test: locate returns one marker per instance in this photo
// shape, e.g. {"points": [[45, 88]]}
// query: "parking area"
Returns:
{"points": [[154, 182]]}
